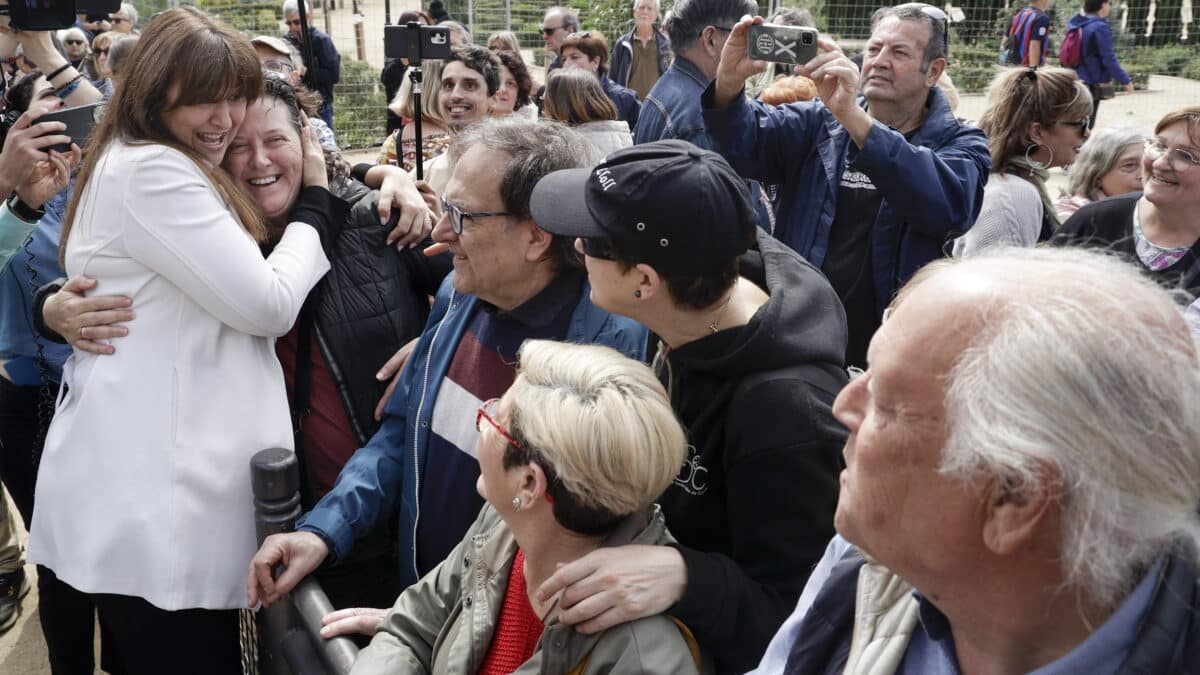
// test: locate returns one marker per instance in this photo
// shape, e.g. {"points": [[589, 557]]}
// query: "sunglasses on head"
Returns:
{"points": [[583, 35], [937, 15]]}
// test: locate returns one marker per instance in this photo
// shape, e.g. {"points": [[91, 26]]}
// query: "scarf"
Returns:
{"points": [[1036, 174]]}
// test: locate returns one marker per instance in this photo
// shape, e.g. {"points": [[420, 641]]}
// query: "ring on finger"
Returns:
{"points": [[81, 337]]}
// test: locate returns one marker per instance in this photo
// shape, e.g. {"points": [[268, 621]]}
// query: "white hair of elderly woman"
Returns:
{"points": [[1090, 372]]}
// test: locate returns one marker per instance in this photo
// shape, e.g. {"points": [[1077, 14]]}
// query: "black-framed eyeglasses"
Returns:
{"points": [[72, 42], [551, 31], [1084, 126], [101, 50], [457, 215], [936, 14], [601, 249]]}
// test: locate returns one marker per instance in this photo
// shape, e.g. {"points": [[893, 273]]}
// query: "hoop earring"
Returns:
{"points": [[1029, 151]]}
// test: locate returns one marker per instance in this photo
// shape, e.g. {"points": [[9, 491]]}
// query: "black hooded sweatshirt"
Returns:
{"points": [[753, 506]]}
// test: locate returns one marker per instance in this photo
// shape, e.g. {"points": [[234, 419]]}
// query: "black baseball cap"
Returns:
{"points": [[669, 204]]}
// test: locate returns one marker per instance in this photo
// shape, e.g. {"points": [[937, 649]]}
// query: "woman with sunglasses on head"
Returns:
{"points": [[1036, 119], [571, 459], [1158, 228], [141, 497]]}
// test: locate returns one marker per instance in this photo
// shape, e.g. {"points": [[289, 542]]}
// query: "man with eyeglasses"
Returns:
{"points": [[75, 44], [558, 23], [326, 66], [125, 19], [512, 281], [870, 189]]}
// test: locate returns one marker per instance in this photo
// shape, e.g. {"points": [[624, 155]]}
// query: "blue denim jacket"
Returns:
{"points": [[384, 476], [672, 109]]}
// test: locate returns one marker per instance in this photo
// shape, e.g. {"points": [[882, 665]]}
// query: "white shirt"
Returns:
{"points": [[144, 486]]}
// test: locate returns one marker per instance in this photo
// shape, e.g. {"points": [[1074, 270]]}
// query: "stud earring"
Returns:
{"points": [[637, 294], [516, 502]]}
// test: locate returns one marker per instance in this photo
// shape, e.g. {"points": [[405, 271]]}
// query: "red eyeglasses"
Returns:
{"points": [[482, 414]]}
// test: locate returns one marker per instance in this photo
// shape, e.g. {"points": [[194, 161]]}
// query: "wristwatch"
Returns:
{"points": [[24, 211], [39, 301]]}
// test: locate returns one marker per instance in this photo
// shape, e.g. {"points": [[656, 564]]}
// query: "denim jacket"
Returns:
{"points": [[384, 476], [672, 109]]}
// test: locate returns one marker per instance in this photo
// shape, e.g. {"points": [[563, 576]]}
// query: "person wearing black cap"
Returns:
{"points": [[750, 345]]}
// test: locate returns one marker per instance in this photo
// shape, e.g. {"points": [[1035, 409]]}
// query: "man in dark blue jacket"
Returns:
{"points": [[326, 67], [867, 195], [1098, 64], [642, 55], [512, 281]]}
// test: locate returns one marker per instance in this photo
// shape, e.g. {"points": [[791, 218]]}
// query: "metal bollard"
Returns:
{"points": [[289, 635]]}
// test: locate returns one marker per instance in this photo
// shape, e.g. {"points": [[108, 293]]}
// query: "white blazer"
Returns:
{"points": [[144, 485]]}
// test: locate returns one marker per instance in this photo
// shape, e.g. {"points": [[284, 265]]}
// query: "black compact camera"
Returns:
{"points": [[415, 42], [54, 14], [782, 44]]}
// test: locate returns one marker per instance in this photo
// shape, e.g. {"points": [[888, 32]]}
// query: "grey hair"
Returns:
{"points": [[570, 17], [128, 11], [535, 149], [1099, 156], [688, 19], [1085, 381], [936, 48], [508, 38], [119, 51], [457, 28], [657, 5], [293, 7]]}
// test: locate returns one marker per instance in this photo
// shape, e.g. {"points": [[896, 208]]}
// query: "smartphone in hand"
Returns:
{"points": [[80, 121], [782, 44]]}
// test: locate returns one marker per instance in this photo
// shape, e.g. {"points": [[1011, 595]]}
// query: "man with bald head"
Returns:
{"points": [[1021, 484]]}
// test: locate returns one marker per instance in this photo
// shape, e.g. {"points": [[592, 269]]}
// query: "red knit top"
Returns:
{"points": [[517, 631]]}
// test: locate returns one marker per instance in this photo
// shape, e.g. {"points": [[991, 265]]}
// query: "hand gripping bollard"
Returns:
{"points": [[290, 638]]}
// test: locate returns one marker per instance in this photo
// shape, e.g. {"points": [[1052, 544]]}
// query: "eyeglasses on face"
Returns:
{"points": [[1084, 126], [277, 66], [551, 31], [1180, 160], [118, 19], [101, 50], [457, 215], [69, 41], [487, 412]]}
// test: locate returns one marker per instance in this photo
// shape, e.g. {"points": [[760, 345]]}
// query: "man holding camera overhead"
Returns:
{"points": [[870, 190]]}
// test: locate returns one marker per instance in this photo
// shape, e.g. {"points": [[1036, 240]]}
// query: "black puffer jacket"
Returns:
{"points": [[373, 300]]}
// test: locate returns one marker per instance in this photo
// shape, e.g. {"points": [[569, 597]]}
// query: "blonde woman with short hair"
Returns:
{"points": [[572, 458]]}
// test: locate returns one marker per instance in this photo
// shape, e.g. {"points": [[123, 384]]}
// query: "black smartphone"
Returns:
{"points": [[79, 120], [41, 14], [416, 42], [782, 44]]}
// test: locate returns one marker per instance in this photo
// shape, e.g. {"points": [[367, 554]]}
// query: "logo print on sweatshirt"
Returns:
{"points": [[693, 476]]}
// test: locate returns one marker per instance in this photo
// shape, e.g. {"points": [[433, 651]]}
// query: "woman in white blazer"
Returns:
{"points": [[143, 497]]}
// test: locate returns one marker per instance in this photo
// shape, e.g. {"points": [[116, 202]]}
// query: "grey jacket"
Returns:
{"points": [[444, 623]]}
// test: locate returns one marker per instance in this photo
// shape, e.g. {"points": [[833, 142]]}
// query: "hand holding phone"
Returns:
{"points": [[79, 122]]}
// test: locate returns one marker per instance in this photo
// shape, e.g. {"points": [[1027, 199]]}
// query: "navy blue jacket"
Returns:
{"points": [[932, 185], [383, 477], [626, 100], [1099, 63], [621, 62], [325, 70]]}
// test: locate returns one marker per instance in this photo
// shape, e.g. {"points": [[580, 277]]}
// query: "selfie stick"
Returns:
{"points": [[414, 74], [306, 45]]}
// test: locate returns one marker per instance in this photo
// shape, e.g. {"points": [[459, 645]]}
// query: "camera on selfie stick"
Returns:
{"points": [[413, 43]]}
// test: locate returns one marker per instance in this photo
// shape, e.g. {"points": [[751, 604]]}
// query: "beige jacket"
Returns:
{"points": [[444, 623], [885, 616]]}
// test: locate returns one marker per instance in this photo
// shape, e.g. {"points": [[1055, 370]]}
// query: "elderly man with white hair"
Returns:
{"points": [[125, 19], [1022, 481], [326, 67]]}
